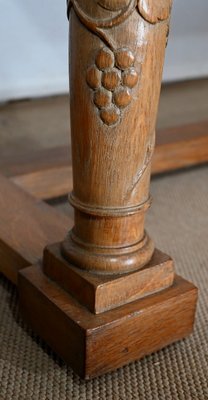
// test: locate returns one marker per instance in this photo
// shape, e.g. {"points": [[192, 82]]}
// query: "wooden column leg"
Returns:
{"points": [[133, 302]]}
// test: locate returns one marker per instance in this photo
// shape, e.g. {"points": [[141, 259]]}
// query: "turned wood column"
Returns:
{"points": [[116, 61]]}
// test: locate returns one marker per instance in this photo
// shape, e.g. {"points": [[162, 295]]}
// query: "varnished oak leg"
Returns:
{"points": [[105, 296]]}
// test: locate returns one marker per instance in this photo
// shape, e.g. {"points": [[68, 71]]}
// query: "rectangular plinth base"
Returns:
{"points": [[101, 293], [96, 344]]}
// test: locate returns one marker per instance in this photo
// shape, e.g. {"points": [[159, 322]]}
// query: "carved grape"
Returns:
{"points": [[102, 98], [111, 78], [122, 97], [110, 115], [130, 77], [105, 59], [124, 58], [93, 77]]}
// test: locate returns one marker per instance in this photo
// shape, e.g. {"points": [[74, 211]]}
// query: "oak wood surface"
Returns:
{"points": [[46, 184], [103, 292], [26, 227], [116, 60], [28, 162], [181, 147], [35, 124], [93, 345], [47, 173]]}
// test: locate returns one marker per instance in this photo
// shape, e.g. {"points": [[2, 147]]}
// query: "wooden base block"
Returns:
{"points": [[96, 344], [100, 293]]}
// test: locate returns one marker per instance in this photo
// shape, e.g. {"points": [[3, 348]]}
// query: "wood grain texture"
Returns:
{"points": [[113, 120], [27, 226], [47, 174], [100, 293], [94, 345], [29, 162], [47, 183], [181, 147], [116, 60]]}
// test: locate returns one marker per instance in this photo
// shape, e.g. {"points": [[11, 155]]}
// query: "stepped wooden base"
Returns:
{"points": [[100, 293], [96, 344]]}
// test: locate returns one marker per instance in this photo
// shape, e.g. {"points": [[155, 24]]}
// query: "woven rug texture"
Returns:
{"points": [[178, 222]]}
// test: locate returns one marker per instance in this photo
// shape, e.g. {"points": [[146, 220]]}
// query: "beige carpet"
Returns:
{"points": [[178, 221]]}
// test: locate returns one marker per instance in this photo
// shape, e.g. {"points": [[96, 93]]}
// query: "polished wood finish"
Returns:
{"points": [[94, 345], [47, 174], [48, 183], [116, 62], [100, 293], [180, 147], [31, 162], [105, 296], [26, 227]]}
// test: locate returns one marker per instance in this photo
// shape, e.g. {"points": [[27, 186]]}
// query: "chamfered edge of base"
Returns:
{"points": [[95, 344]]}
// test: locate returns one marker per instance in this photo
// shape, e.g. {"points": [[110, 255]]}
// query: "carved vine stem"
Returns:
{"points": [[97, 25], [140, 173]]}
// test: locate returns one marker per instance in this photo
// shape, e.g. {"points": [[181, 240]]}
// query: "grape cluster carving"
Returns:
{"points": [[112, 79]]}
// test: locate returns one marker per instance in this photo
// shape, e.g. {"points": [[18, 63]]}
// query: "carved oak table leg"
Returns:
{"points": [[105, 296]]}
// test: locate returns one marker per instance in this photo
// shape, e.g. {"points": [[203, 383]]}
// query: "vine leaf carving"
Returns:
{"points": [[154, 11]]}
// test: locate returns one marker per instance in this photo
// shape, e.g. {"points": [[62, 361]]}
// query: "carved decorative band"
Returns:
{"points": [[108, 211]]}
